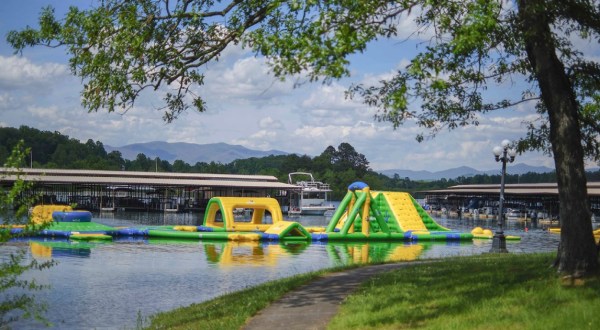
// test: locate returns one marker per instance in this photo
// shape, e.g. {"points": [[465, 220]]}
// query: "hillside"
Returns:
{"points": [[464, 171], [226, 153], [191, 153]]}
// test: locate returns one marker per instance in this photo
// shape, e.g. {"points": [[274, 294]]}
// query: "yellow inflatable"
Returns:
{"points": [[43, 213], [260, 207], [186, 228], [481, 233]]}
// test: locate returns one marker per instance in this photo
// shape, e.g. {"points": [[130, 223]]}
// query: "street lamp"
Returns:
{"points": [[505, 155]]}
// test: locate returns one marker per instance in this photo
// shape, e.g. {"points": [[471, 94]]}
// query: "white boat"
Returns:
{"points": [[312, 197], [516, 214]]}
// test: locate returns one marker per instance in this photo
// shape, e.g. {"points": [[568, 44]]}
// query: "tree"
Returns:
{"points": [[121, 48], [567, 116], [16, 263], [347, 157], [181, 166], [115, 161], [325, 159]]}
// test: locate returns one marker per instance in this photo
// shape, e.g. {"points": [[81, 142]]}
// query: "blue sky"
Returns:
{"points": [[246, 106]]}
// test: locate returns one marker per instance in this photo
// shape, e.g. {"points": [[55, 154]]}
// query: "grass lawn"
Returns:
{"points": [[486, 292], [229, 311], [506, 291]]}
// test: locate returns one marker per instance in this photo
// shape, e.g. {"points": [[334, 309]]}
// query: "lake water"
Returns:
{"points": [[109, 285]]}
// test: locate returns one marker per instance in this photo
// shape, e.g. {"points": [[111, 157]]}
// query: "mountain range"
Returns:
{"points": [[519, 168], [226, 153], [191, 153]]}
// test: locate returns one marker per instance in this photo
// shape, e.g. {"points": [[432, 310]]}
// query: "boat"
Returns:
{"points": [[240, 211], [312, 198], [516, 214]]}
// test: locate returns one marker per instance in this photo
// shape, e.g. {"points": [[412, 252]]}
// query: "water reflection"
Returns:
{"points": [[231, 254], [373, 252], [234, 254], [257, 254], [59, 249], [122, 218], [118, 279]]}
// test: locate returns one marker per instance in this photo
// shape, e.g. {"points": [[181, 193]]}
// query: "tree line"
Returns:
{"points": [[337, 166]]}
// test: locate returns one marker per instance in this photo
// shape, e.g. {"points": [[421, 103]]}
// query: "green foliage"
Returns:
{"points": [[460, 293], [491, 292], [228, 311], [54, 150], [122, 48], [338, 167], [14, 303]]}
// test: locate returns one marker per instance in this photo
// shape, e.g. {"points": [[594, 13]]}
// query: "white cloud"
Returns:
{"points": [[7, 101], [329, 96], [248, 106], [21, 72], [409, 30], [260, 140], [270, 123], [47, 114], [247, 79]]}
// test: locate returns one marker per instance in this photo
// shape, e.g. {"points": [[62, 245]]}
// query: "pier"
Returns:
{"points": [[150, 191], [521, 200]]}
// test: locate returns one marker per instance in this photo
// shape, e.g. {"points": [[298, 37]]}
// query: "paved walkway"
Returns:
{"points": [[313, 305]]}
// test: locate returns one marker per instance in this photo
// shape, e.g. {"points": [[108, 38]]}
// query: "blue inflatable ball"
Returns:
{"points": [[358, 185]]}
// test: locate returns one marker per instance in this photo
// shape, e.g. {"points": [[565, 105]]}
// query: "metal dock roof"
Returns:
{"points": [[62, 176]]}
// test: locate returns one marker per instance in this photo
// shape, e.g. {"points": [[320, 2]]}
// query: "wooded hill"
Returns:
{"points": [[337, 166]]}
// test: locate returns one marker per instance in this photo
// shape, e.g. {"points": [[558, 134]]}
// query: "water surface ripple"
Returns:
{"points": [[108, 285]]}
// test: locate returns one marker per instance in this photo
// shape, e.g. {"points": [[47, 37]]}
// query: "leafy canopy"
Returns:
{"points": [[121, 48]]}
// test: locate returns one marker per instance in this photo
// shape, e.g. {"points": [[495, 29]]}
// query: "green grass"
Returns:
{"points": [[228, 311], [485, 292], [512, 291]]}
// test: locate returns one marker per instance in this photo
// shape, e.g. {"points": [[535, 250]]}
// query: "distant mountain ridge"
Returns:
{"points": [[224, 153], [191, 153], [465, 171]]}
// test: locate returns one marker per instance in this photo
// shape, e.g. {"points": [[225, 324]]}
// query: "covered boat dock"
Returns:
{"points": [[523, 199], [149, 191]]}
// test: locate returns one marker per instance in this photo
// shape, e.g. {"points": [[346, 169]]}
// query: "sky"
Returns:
{"points": [[247, 106]]}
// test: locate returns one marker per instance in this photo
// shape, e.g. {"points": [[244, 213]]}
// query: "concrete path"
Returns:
{"points": [[313, 305]]}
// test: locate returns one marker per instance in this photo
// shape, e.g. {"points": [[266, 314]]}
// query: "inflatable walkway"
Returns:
{"points": [[61, 221], [362, 215]]}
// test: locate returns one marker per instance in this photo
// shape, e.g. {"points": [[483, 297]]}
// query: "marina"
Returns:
{"points": [[362, 215], [148, 275], [108, 191], [158, 261], [523, 202]]}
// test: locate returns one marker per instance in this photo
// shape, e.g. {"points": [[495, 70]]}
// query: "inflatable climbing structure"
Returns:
{"points": [[367, 215], [362, 215]]}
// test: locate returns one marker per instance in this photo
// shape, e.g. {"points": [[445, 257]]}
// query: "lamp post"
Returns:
{"points": [[505, 155]]}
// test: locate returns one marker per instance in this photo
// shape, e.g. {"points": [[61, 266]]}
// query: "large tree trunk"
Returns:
{"points": [[577, 252]]}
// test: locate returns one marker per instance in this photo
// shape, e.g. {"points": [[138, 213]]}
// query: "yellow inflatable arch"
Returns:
{"points": [[259, 207]]}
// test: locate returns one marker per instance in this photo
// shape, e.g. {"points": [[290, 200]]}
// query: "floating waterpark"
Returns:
{"points": [[363, 215]]}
